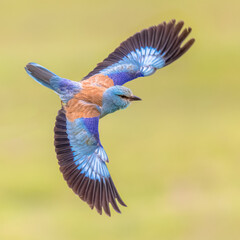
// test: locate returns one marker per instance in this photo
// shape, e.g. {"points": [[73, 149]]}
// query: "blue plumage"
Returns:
{"points": [[81, 156], [82, 161], [113, 100], [145, 52], [65, 88], [40, 74], [139, 63]]}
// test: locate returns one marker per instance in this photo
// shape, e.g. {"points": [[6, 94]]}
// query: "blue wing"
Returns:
{"points": [[82, 161], [145, 52]]}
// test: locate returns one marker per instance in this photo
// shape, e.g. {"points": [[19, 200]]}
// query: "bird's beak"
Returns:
{"points": [[134, 98]]}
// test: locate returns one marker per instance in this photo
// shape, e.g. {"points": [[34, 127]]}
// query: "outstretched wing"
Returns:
{"points": [[145, 52], [82, 161]]}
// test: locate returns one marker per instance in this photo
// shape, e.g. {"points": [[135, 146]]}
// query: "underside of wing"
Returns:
{"points": [[145, 52], [82, 161]]}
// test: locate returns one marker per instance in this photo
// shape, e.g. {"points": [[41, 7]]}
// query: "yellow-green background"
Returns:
{"points": [[174, 157]]}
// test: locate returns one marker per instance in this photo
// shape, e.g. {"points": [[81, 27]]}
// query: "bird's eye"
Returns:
{"points": [[123, 96]]}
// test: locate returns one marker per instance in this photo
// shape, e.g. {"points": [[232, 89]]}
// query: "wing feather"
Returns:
{"points": [[82, 161], [145, 52]]}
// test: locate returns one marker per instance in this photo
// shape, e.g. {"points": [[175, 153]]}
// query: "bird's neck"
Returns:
{"points": [[107, 108]]}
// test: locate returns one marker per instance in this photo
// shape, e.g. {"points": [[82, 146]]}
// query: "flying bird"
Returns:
{"points": [[80, 154]]}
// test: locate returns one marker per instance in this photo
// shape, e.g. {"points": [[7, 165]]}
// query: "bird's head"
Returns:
{"points": [[118, 97]]}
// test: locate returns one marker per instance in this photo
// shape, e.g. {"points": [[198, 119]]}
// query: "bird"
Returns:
{"points": [[81, 156]]}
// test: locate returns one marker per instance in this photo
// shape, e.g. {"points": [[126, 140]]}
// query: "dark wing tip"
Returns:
{"points": [[165, 37], [96, 193], [174, 48]]}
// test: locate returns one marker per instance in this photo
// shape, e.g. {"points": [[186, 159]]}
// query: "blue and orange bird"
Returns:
{"points": [[80, 154]]}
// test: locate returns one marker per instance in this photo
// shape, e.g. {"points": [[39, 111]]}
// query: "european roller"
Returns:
{"points": [[80, 154]]}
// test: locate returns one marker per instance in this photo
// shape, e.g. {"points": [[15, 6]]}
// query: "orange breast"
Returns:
{"points": [[83, 103], [99, 80], [80, 109], [93, 89]]}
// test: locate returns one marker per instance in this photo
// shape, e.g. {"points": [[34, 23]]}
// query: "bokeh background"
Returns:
{"points": [[174, 157]]}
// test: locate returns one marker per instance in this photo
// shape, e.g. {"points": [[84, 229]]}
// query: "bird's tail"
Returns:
{"points": [[63, 87], [40, 74]]}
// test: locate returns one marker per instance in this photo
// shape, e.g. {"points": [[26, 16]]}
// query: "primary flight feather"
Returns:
{"points": [[81, 156]]}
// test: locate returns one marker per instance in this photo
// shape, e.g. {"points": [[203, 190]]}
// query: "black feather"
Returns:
{"points": [[164, 37], [96, 193]]}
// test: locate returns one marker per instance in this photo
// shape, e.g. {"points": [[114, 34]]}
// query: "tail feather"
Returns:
{"points": [[65, 88], [40, 74]]}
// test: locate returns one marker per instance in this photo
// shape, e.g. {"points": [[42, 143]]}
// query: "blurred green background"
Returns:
{"points": [[174, 157]]}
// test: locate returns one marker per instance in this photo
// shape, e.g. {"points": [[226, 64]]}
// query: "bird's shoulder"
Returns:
{"points": [[80, 109], [98, 80]]}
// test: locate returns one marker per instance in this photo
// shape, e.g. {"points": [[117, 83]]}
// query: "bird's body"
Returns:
{"points": [[96, 96], [81, 156]]}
